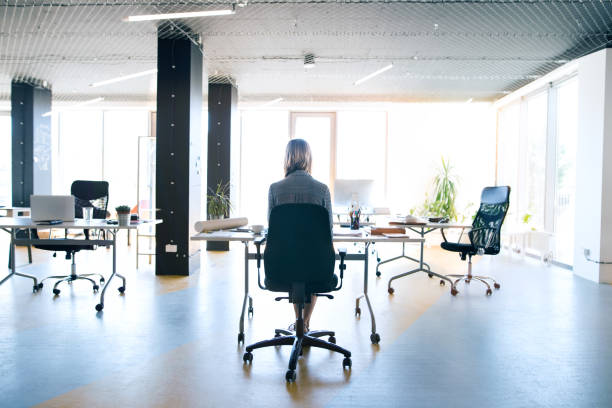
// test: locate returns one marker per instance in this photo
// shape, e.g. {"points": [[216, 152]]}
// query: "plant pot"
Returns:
{"points": [[124, 219]]}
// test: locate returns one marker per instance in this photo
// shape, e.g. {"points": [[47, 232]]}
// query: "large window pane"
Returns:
{"points": [[508, 155], [316, 129], [121, 132], [360, 152], [5, 159], [567, 133], [80, 148], [536, 159], [264, 138]]}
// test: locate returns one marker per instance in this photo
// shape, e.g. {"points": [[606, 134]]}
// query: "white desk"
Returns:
{"points": [[11, 225], [246, 238], [422, 230]]}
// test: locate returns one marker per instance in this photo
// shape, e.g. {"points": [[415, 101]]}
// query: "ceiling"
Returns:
{"points": [[440, 49]]}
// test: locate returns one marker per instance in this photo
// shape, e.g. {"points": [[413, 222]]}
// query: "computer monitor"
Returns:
{"points": [[347, 190]]}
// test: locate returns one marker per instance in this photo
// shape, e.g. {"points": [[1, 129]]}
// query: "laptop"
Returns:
{"points": [[51, 207]]}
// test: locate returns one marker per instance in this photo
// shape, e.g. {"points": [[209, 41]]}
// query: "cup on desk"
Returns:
{"points": [[257, 228], [87, 213]]}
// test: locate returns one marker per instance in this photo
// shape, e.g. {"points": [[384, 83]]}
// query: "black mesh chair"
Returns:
{"points": [[484, 235], [86, 194], [299, 258]]}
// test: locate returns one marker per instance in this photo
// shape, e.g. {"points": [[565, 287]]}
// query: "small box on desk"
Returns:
{"points": [[387, 230]]}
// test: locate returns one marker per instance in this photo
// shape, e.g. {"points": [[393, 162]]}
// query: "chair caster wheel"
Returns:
{"points": [[95, 288], [378, 274], [99, 307], [495, 285], [121, 289], [240, 337], [442, 283], [377, 259], [40, 286], [247, 357], [390, 290], [454, 292], [35, 288], [102, 281], [56, 291], [250, 312], [357, 311], [489, 292], [290, 376], [375, 338], [332, 339], [347, 363], [467, 281], [430, 275]]}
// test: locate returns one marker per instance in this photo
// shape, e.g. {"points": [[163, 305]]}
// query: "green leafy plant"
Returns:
{"points": [[218, 201], [123, 209], [444, 193]]}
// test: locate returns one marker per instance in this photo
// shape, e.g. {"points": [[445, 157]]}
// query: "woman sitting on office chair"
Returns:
{"points": [[298, 187]]}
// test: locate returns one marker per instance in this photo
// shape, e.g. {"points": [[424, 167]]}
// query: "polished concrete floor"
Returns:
{"points": [[542, 340]]}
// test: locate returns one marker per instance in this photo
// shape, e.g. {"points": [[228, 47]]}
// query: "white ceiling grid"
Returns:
{"points": [[441, 49]]}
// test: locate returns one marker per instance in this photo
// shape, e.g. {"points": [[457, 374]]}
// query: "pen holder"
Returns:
{"points": [[354, 221]]}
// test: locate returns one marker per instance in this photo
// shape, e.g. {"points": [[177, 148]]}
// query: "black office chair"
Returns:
{"points": [[484, 235], [86, 194], [299, 259]]}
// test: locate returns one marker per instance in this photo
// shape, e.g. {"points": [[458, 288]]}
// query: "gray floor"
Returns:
{"points": [[544, 340]]}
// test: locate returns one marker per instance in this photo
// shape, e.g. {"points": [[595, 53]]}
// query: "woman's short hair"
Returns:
{"points": [[297, 156]]}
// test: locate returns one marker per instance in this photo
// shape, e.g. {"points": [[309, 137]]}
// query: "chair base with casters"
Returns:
{"points": [[73, 276], [300, 339], [451, 246]]}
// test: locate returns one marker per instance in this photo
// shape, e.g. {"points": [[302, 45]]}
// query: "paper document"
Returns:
{"points": [[347, 232]]}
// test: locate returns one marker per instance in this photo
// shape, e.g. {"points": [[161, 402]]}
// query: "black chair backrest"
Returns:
{"points": [[494, 203], [90, 194], [299, 246]]}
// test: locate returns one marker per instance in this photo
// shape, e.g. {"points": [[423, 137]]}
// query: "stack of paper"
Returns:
{"points": [[347, 232]]}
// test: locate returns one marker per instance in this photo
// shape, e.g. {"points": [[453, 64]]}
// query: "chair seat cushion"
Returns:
{"points": [[313, 287], [459, 247]]}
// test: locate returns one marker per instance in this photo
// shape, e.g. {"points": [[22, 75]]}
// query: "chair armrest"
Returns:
{"points": [[258, 242]]}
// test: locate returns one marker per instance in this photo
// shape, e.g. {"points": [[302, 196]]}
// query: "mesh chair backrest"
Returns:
{"points": [[90, 194], [299, 245], [494, 203]]}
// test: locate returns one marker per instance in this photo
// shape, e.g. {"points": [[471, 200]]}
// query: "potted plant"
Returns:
{"points": [[444, 194], [123, 215], [218, 201]]}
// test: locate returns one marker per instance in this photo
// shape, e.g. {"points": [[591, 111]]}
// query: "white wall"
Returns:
{"points": [[593, 229]]}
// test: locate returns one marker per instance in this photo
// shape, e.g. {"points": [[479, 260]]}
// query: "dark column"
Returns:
{"points": [[222, 112], [178, 129], [31, 142]]}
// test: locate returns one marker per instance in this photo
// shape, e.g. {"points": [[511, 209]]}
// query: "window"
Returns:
{"points": [[565, 191], [80, 148], [263, 141], [535, 175], [122, 128], [508, 155]]}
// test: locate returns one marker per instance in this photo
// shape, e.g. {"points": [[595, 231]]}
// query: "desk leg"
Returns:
{"points": [[13, 265], [100, 305], [403, 255], [421, 268], [374, 337], [246, 295]]}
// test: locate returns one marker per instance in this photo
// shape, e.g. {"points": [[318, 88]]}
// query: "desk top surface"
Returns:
{"points": [[26, 222], [431, 225], [227, 235]]}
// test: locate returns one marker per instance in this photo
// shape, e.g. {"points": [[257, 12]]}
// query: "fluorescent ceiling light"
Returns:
{"points": [[272, 102], [77, 105], [123, 78], [190, 14], [373, 74]]}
